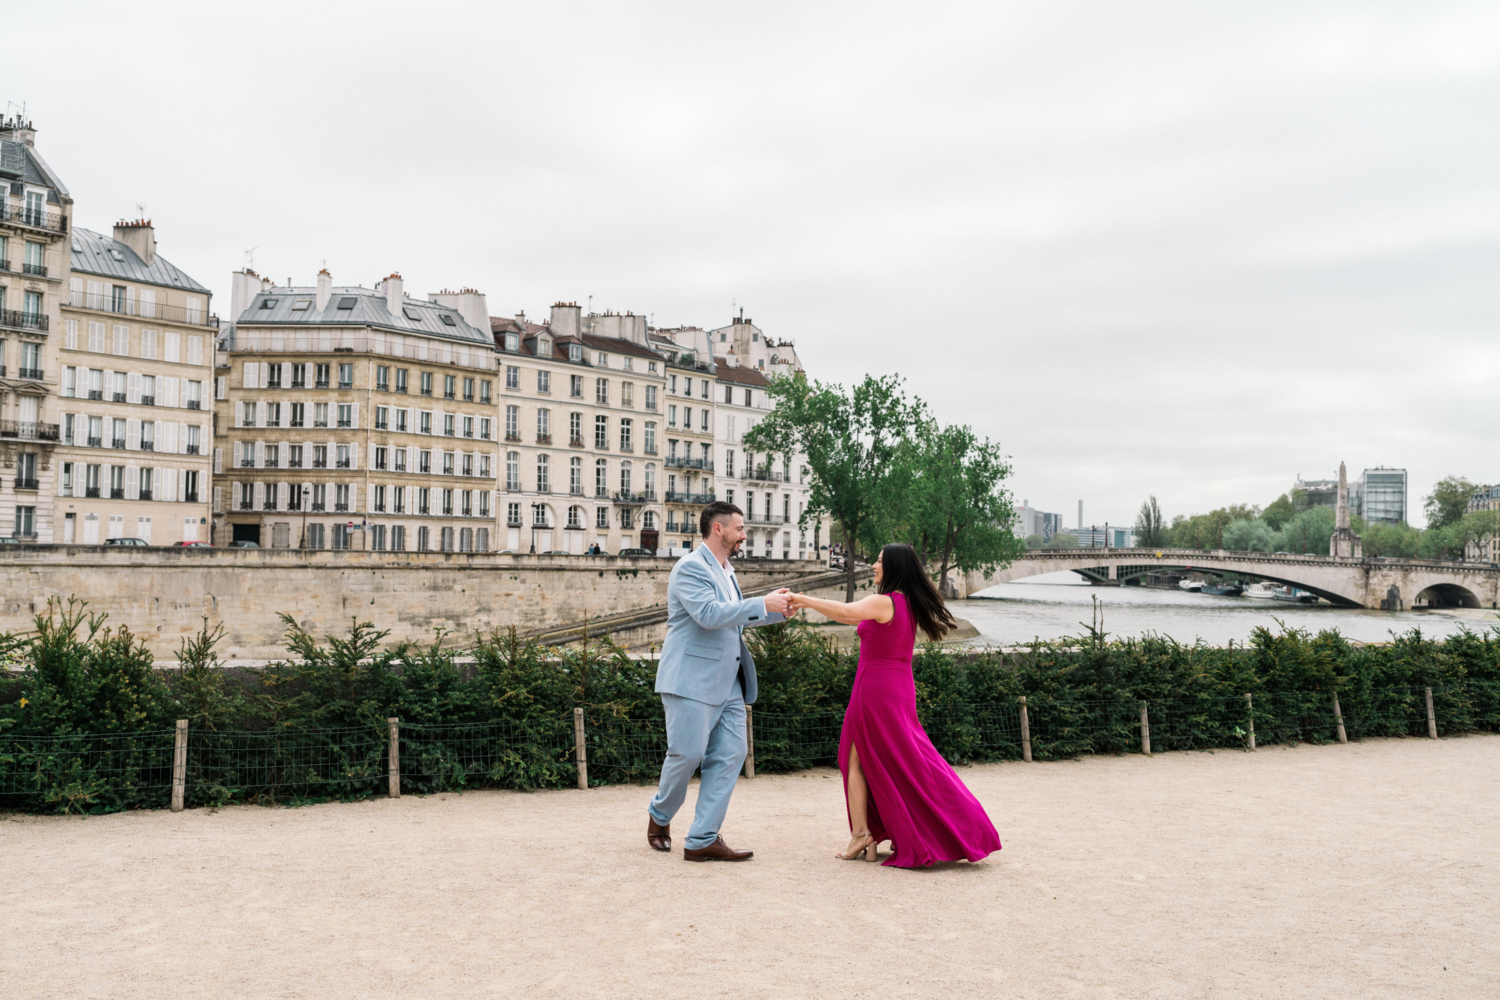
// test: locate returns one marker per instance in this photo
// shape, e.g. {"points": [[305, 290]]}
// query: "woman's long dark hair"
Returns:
{"points": [[902, 570]]}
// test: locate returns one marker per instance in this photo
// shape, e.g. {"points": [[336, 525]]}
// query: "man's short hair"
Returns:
{"points": [[716, 511]]}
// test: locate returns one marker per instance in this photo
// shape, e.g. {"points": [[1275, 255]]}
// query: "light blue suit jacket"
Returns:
{"points": [[704, 651]]}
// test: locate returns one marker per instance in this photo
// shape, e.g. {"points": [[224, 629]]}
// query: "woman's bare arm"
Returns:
{"points": [[876, 607]]}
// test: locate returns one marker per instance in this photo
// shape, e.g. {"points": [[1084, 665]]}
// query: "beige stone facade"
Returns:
{"points": [[581, 411], [35, 219], [136, 357], [356, 418]]}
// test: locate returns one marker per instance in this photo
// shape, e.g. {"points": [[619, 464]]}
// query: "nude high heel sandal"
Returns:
{"points": [[868, 852]]}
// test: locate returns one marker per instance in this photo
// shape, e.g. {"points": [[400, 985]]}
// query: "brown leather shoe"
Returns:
{"points": [[659, 837], [717, 851]]}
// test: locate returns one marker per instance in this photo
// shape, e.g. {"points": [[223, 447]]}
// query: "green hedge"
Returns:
{"points": [[86, 723]]}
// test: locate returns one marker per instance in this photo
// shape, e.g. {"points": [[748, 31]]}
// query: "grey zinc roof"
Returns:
{"points": [[369, 309], [104, 255], [34, 169]]}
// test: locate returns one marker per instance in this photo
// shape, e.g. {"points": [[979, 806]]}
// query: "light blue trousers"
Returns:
{"points": [[712, 736]]}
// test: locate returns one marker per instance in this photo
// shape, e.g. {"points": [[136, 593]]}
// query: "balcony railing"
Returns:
{"points": [[764, 475], [343, 463], [320, 463], [317, 505], [117, 443], [40, 270], [346, 385], [626, 496], [117, 397], [512, 436], [693, 498], [34, 373], [23, 483], [4, 264], [342, 507], [28, 430], [247, 462], [346, 423], [294, 463], [192, 449], [194, 404], [763, 518], [544, 439], [97, 394], [674, 462], [247, 505], [143, 310], [575, 442], [144, 495], [91, 492], [148, 446], [51, 222], [148, 400], [189, 497], [601, 493], [513, 522], [321, 383], [94, 442]]}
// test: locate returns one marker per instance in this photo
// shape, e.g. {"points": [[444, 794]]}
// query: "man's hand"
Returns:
{"points": [[777, 603]]}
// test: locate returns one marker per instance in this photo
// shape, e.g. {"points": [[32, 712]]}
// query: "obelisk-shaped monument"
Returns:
{"points": [[1345, 543]]}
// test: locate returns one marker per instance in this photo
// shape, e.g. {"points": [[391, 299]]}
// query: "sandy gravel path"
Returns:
{"points": [[1368, 870]]}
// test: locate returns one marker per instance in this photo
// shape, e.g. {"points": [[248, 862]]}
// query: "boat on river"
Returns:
{"points": [[1223, 589], [1293, 595], [1191, 586], [1261, 591]]}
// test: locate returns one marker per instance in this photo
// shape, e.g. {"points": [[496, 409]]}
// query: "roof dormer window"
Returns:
{"points": [[602, 360], [411, 314], [301, 305], [347, 302], [513, 342], [447, 320], [543, 347], [575, 353], [268, 303]]}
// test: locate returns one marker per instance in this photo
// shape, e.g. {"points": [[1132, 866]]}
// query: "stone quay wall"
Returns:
{"points": [[164, 594]]}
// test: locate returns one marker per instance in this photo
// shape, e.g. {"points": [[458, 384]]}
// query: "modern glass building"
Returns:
{"points": [[1383, 495]]}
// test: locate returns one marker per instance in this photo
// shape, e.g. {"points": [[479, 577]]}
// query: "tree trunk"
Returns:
{"points": [[848, 564], [947, 554]]}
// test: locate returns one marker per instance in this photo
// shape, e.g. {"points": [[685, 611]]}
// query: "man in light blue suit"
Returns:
{"points": [[706, 678]]}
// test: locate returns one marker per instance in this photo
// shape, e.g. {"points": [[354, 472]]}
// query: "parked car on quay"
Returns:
{"points": [[128, 542], [192, 545]]}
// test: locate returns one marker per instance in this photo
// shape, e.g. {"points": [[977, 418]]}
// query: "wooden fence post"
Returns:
{"points": [[1338, 718], [393, 771], [1145, 731], [580, 749], [1431, 717], [1025, 731], [1250, 706], [749, 741], [179, 765]]}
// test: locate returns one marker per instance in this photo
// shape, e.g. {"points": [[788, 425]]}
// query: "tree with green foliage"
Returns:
{"points": [[1446, 504], [1035, 541], [1150, 526], [1062, 540], [1204, 531], [1284, 508], [1309, 532], [1251, 535], [852, 442], [958, 511]]}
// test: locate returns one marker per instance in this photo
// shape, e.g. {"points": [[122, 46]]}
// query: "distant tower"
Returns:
{"points": [[1345, 543]]}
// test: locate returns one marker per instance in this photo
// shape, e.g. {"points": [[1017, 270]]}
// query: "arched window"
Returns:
{"points": [[625, 477], [543, 474], [648, 520], [513, 470], [575, 517], [541, 516]]}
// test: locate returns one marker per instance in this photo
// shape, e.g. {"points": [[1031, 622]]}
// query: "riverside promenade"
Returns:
{"points": [[1369, 869]]}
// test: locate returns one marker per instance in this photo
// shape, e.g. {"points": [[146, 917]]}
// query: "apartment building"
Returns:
{"points": [[689, 430], [580, 406], [356, 418], [136, 362], [771, 490], [35, 218]]}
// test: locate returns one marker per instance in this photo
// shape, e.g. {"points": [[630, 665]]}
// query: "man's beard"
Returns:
{"points": [[734, 549]]}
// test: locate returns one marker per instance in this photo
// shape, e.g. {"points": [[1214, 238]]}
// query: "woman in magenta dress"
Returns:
{"points": [[898, 787]]}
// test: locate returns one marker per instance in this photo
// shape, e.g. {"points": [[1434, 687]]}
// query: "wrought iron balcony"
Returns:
{"points": [[674, 462], [144, 495], [346, 385], [674, 496], [576, 442], [513, 436], [317, 505], [96, 394], [91, 492], [763, 518], [543, 438], [629, 497], [294, 463], [32, 373], [117, 493], [117, 443], [148, 400], [188, 497], [764, 475], [320, 463], [117, 397], [94, 442], [40, 270], [247, 505], [343, 463], [28, 430], [26, 218], [341, 507], [4, 264], [192, 449], [148, 446], [194, 404], [144, 310], [23, 483], [321, 383]]}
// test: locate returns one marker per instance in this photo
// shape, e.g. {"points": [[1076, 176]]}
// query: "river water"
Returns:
{"points": [[1058, 605]]}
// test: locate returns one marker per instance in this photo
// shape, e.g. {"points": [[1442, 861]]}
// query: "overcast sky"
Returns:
{"points": [[1184, 249]]}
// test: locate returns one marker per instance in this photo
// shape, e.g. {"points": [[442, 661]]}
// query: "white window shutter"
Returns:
{"points": [[259, 494], [133, 434], [181, 478], [169, 391], [133, 387], [354, 456], [354, 415], [218, 499], [166, 437], [181, 442], [71, 339], [353, 497], [251, 379], [168, 480], [195, 350], [218, 464], [221, 387], [265, 376], [170, 342], [132, 481], [260, 454]]}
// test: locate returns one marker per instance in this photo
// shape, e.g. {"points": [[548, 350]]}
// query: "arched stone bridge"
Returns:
{"points": [[1381, 584]]}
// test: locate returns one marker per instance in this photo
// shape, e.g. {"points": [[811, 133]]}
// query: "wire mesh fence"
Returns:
{"points": [[95, 773]]}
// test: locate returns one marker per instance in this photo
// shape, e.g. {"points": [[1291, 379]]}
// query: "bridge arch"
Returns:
{"points": [[1447, 595]]}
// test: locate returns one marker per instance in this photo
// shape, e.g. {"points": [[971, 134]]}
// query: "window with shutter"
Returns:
{"points": [[260, 454], [122, 340], [132, 434], [96, 337], [96, 299], [181, 492], [148, 344], [265, 376], [71, 341], [75, 292], [195, 350], [169, 346], [132, 482], [218, 499], [250, 378], [169, 391], [181, 442], [221, 387], [133, 388], [148, 302], [354, 456]]}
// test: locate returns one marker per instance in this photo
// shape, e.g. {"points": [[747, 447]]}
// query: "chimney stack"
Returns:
{"points": [[245, 285], [325, 289], [393, 294], [469, 303], [138, 236]]}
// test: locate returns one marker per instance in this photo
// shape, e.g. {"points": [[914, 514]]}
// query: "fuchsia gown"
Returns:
{"points": [[917, 802]]}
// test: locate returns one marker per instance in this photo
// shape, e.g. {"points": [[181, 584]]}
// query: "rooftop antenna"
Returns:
{"points": [[140, 210], [591, 305], [250, 257]]}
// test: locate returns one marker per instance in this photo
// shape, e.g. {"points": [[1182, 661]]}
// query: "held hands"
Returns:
{"points": [[779, 603]]}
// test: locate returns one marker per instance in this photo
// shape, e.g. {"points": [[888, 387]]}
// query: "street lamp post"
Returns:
{"points": [[306, 493]]}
